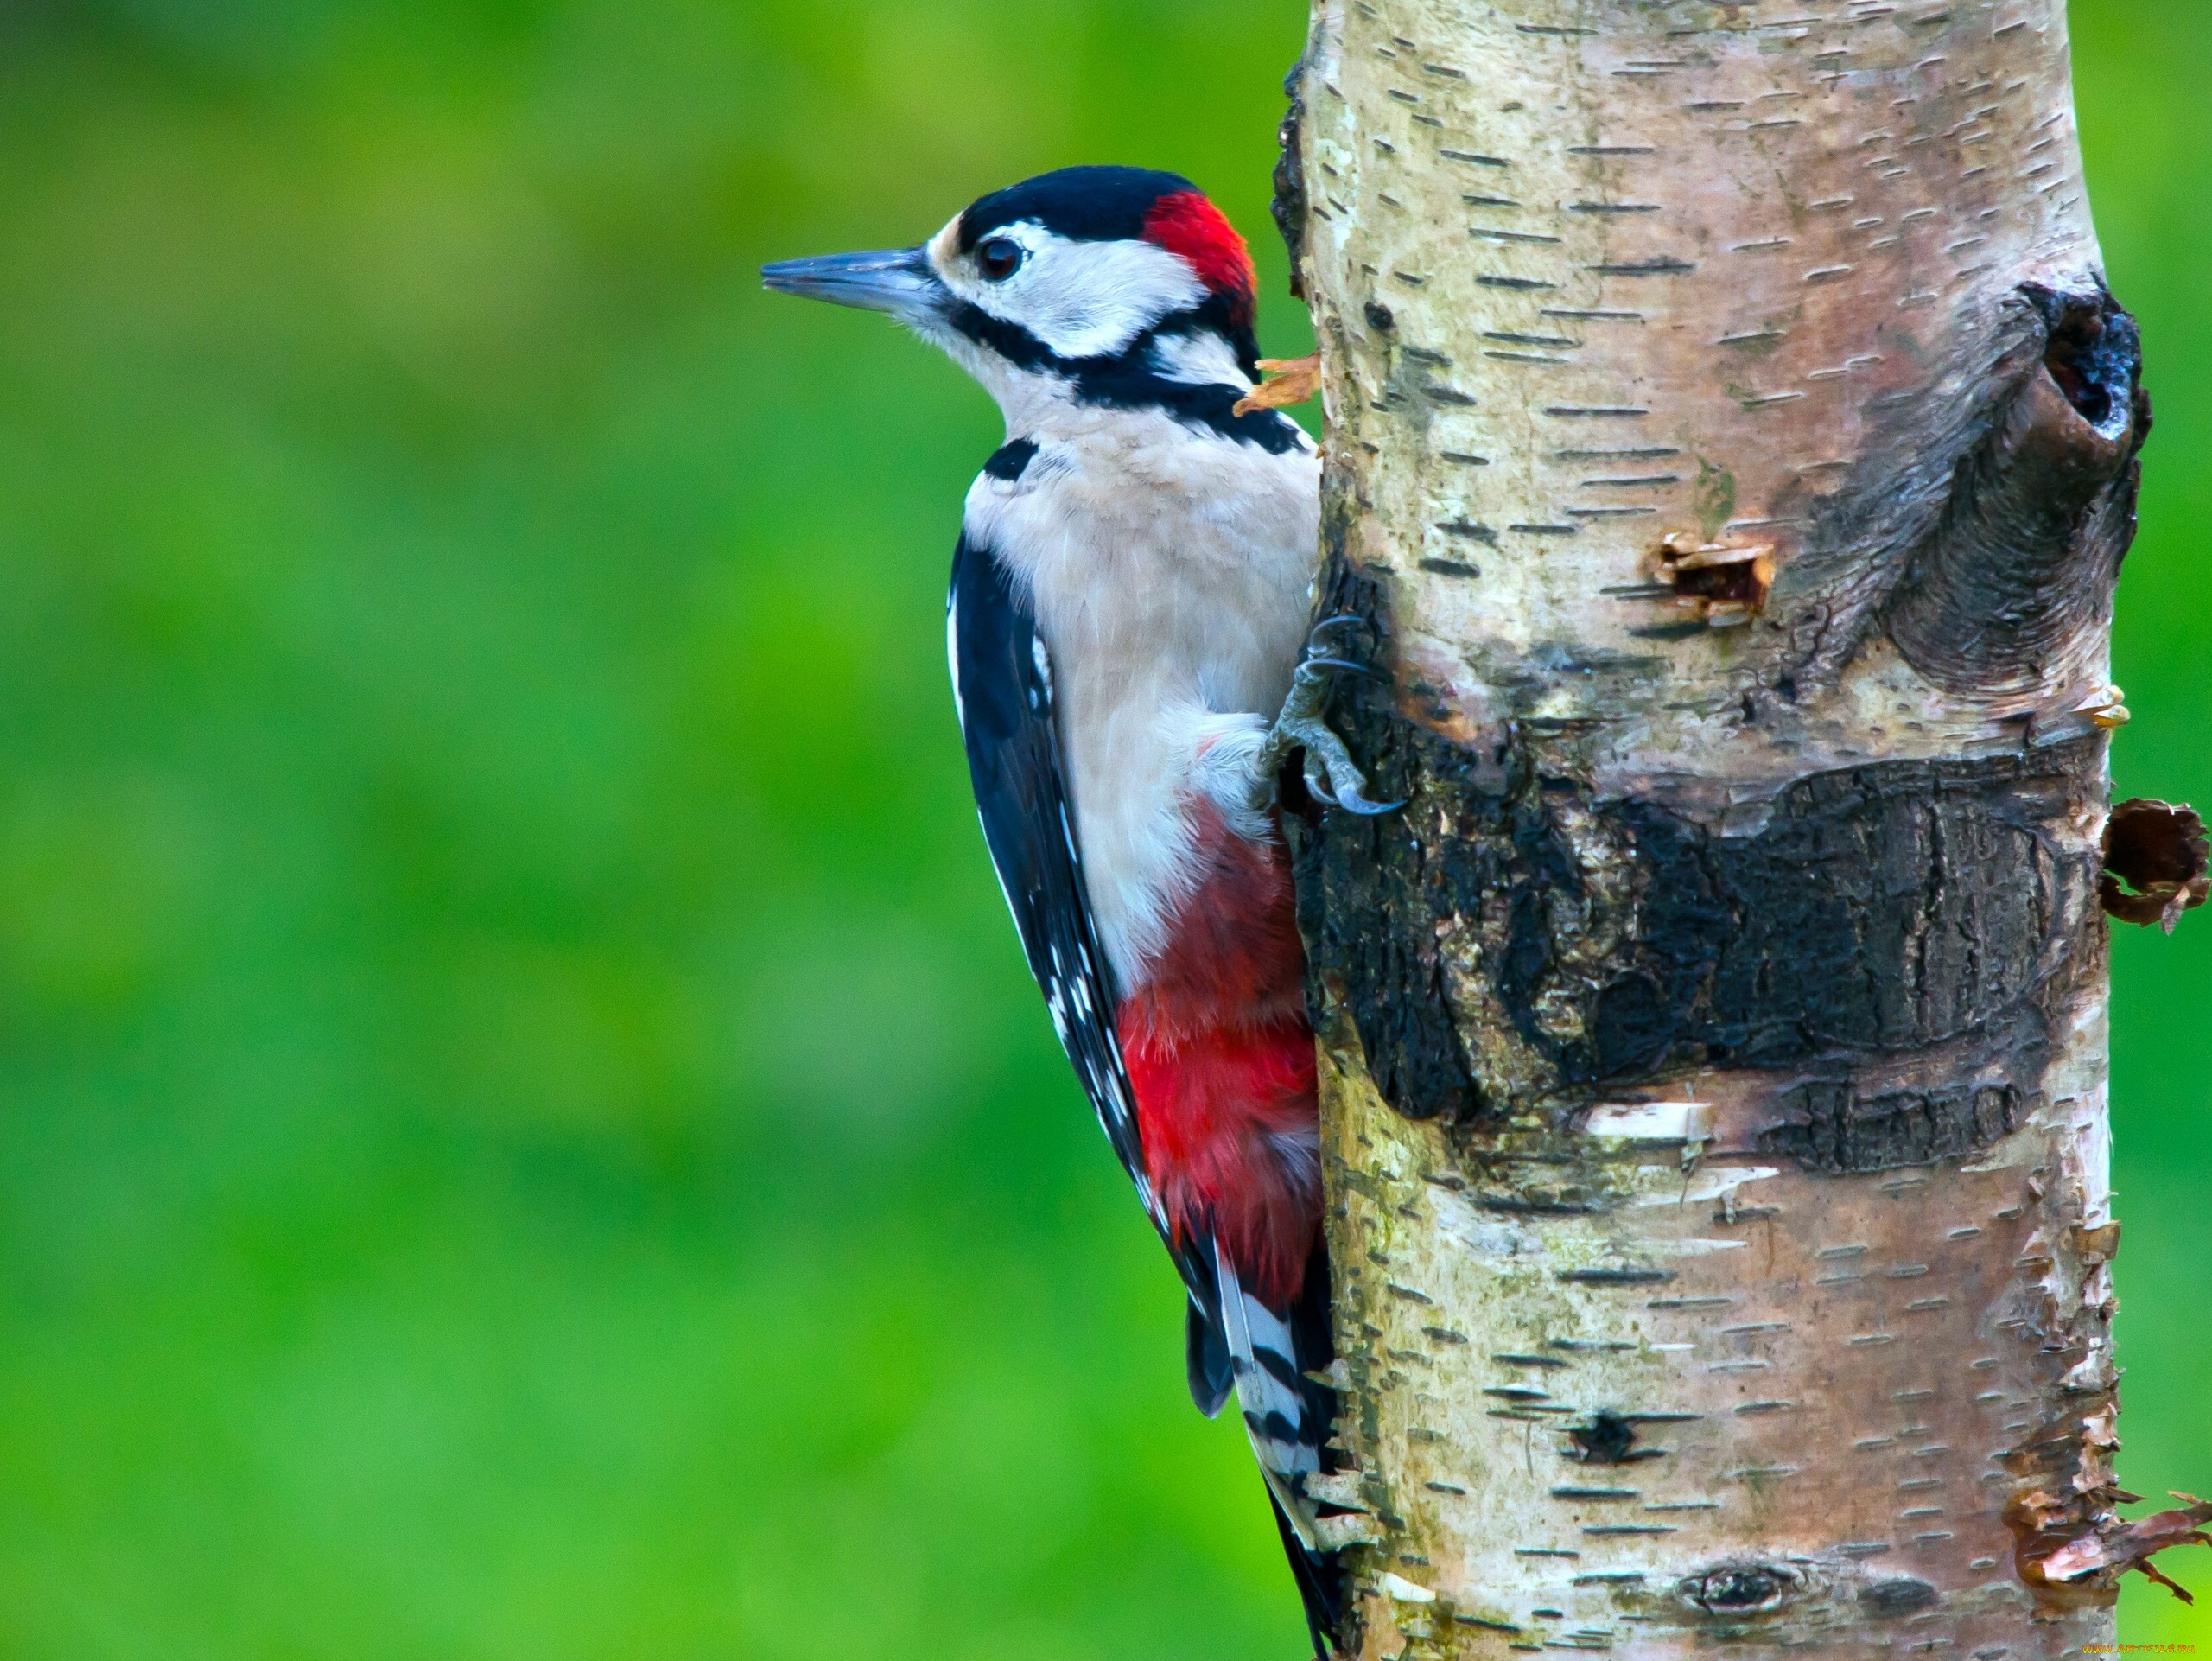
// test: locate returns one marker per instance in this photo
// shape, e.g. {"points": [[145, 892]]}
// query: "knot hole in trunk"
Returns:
{"points": [[2008, 599]]}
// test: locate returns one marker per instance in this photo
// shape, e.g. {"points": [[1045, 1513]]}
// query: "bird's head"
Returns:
{"points": [[1093, 285]]}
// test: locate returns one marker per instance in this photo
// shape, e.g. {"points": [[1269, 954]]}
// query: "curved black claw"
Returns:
{"points": [[1331, 776], [1352, 802]]}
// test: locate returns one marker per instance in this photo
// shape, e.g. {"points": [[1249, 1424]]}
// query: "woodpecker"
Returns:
{"points": [[1133, 659]]}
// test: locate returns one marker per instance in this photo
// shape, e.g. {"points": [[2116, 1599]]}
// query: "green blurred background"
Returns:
{"points": [[524, 1131]]}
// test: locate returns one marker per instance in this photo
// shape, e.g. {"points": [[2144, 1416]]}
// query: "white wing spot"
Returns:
{"points": [[952, 654]]}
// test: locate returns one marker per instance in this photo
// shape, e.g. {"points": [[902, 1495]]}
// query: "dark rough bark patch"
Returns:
{"points": [[2014, 590], [1937, 910], [1413, 1048], [1289, 207], [1511, 939], [1832, 1129]]}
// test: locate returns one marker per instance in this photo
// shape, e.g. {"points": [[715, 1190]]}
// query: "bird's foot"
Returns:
{"points": [[1332, 775]]}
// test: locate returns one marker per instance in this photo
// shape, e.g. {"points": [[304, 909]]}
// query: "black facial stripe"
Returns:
{"points": [[1012, 460], [1120, 384], [1129, 381], [1010, 341], [1083, 204]]}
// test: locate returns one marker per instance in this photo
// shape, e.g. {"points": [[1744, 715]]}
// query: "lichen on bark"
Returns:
{"points": [[1732, 448]]}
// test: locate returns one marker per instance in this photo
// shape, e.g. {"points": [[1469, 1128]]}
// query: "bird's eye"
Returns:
{"points": [[999, 258]]}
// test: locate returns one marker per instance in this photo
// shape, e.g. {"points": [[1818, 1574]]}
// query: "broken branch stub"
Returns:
{"points": [[2158, 863], [1289, 382], [1732, 449], [2131, 1547]]}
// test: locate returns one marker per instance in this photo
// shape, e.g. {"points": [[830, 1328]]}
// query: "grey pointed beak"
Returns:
{"points": [[899, 281]]}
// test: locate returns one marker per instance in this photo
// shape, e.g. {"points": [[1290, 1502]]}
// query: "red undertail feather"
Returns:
{"points": [[1221, 1059]]}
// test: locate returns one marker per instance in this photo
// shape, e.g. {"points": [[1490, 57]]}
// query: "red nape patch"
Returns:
{"points": [[1194, 230]]}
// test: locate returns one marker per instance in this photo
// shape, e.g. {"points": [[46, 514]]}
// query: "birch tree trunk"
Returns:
{"points": [[1731, 448]]}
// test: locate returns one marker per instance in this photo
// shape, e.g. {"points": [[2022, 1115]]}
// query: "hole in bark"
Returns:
{"points": [[2159, 851], [1608, 1439], [2094, 354], [1739, 582], [1380, 315], [1738, 1588], [1721, 584], [1887, 1598]]}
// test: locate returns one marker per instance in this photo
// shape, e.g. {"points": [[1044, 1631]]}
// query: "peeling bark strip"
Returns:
{"points": [[1733, 449]]}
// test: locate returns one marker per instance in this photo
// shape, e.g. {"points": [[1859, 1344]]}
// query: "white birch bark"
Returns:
{"points": [[1732, 445]]}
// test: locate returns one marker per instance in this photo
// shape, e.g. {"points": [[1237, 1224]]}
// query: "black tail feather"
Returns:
{"points": [[1215, 1365], [1206, 1358], [1319, 1574], [1320, 1585]]}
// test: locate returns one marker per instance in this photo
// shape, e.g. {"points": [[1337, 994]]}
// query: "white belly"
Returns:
{"points": [[1171, 577]]}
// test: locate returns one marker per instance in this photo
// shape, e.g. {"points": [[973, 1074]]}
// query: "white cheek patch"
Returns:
{"points": [[1081, 299], [1091, 299]]}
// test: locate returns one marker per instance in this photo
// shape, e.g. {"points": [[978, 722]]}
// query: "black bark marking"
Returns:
{"points": [[1882, 911], [1413, 1048], [1608, 1439], [1887, 1600]]}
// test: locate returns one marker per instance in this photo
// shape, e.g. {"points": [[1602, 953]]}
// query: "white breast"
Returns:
{"points": [[1171, 571]]}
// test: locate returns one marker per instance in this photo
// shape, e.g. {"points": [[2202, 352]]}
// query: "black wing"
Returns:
{"points": [[1002, 681]]}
